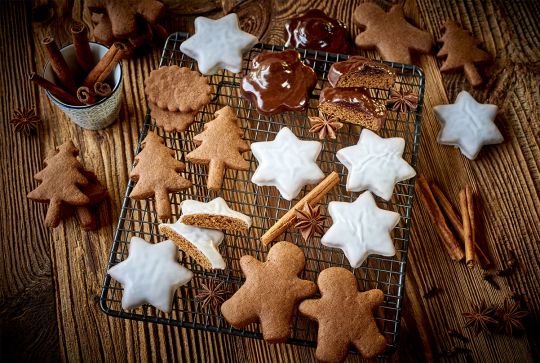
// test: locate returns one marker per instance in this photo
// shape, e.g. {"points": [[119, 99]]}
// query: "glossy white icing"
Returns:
{"points": [[375, 164], [360, 229], [218, 44], [150, 274], [287, 163], [468, 125]]}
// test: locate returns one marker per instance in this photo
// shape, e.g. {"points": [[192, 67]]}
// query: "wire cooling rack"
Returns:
{"points": [[265, 206]]}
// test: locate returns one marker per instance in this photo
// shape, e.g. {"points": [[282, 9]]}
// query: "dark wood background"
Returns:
{"points": [[50, 280]]}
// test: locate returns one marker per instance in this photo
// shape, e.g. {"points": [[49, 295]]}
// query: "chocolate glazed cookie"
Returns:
{"points": [[316, 30], [279, 82]]}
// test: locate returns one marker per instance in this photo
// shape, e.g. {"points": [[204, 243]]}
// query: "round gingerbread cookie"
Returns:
{"points": [[176, 88]]}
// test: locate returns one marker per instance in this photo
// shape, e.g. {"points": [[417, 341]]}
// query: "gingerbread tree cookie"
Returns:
{"points": [[220, 145], [462, 52], [270, 293], [61, 182], [390, 33], [157, 174], [345, 316]]}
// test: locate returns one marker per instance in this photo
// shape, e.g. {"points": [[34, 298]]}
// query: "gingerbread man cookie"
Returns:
{"points": [[390, 33], [270, 293], [345, 316]]}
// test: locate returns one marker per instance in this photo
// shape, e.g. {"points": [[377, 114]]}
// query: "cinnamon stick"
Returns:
{"points": [[82, 46], [313, 197], [105, 65], [102, 89], [437, 218], [456, 222], [57, 91], [86, 96], [59, 65], [466, 204]]}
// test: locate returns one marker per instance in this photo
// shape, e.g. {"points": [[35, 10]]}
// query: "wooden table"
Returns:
{"points": [[50, 280]]}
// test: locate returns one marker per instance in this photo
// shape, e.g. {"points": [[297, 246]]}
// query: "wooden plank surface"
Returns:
{"points": [[50, 280]]}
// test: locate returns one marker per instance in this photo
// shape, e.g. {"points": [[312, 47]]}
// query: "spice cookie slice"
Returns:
{"points": [[215, 214]]}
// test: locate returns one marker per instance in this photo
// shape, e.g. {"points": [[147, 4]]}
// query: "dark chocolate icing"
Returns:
{"points": [[279, 82], [357, 99], [358, 64], [316, 30]]}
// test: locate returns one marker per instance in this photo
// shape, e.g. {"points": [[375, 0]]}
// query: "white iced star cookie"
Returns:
{"points": [[200, 244], [215, 214], [287, 163], [360, 229], [375, 164], [218, 44], [150, 274], [468, 125]]}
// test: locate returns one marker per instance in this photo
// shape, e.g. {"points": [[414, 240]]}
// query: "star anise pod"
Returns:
{"points": [[310, 221], [324, 125], [25, 120], [510, 318], [211, 295], [481, 318], [403, 102]]}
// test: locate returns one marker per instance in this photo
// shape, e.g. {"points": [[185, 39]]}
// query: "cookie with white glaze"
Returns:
{"points": [[360, 229], [375, 164], [200, 244], [468, 124], [287, 163], [150, 274], [215, 214], [218, 44]]}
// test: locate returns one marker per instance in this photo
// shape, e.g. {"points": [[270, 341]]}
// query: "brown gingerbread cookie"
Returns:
{"points": [[220, 146], [270, 293], [462, 52], [345, 316], [176, 88], [61, 182], [96, 192], [359, 71], [123, 14], [278, 82], [156, 173], [390, 33], [171, 121]]}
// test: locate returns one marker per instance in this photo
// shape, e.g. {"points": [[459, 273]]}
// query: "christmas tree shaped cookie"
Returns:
{"points": [[220, 145], [61, 183], [462, 52], [157, 174]]}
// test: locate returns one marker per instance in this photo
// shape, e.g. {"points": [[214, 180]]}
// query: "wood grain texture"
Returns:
{"points": [[50, 281]]}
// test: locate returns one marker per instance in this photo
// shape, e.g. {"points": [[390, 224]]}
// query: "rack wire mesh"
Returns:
{"points": [[264, 204]]}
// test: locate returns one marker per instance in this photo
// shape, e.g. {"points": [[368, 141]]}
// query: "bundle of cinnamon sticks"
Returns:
{"points": [[87, 84], [463, 227]]}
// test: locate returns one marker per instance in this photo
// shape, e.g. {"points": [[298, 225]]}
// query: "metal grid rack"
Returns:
{"points": [[264, 204]]}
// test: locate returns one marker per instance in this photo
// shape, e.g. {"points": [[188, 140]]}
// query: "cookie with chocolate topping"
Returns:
{"points": [[359, 71]]}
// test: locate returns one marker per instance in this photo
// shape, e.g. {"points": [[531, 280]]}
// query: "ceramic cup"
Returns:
{"points": [[102, 113]]}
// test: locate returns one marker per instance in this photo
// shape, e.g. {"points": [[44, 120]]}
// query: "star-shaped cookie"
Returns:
{"points": [[287, 163], [468, 125], [390, 33], [360, 229], [218, 44], [375, 164], [150, 274]]}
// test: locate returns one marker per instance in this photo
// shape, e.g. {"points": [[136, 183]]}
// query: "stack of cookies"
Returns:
{"points": [[348, 98]]}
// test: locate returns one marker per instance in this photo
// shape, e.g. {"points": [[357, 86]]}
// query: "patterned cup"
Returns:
{"points": [[102, 113]]}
